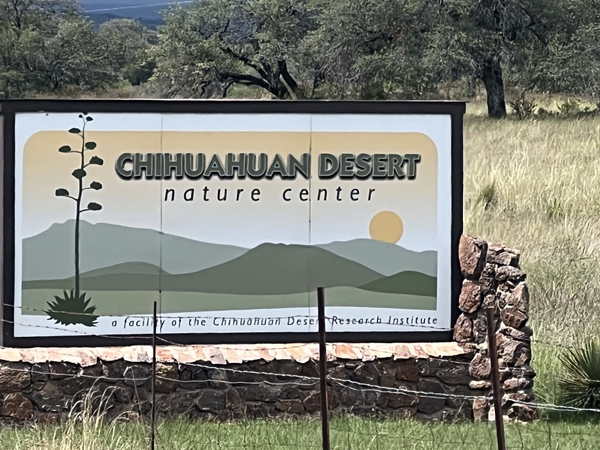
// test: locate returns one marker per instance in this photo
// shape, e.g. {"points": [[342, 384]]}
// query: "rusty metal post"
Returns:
{"points": [[495, 374], [153, 412], [323, 369]]}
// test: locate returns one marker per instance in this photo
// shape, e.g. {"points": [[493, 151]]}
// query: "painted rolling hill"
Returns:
{"points": [[117, 258], [49, 255], [387, 259], [269, 269], [239, 279], [412, 283]]}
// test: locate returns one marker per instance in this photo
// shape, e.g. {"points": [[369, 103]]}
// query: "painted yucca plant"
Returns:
{"points": [[73, 307], [580, 382]]}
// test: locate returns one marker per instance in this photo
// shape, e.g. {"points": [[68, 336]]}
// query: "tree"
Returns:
{"points": [[413, 48], [127, 43], [65, 310], [22, 14], [571, 62], [373, 49], [476, 38], [46, 45], [24, 25], [75, 56], [207, 47]]}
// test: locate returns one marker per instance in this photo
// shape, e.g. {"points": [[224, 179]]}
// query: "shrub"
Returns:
{"points": [[523, 107], [543, 113], [569, 108], [488, 196], [580, 382]]}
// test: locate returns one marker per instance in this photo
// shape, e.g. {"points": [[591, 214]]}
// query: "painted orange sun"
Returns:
{"points": [[386, 226]]}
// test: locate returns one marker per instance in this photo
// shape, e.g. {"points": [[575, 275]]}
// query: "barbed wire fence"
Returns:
{"points": [[337, 428]]}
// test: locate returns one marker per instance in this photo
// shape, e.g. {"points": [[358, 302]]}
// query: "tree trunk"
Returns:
{"points": [[491, 76], [290, 83]]}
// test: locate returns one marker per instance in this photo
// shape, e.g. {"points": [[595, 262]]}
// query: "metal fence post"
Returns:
{"points": [[153, 412], [495, 375], [323, 369]]}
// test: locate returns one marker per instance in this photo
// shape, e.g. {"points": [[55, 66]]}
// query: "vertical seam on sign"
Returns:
{"points": [[309, 214], [160, 234]]}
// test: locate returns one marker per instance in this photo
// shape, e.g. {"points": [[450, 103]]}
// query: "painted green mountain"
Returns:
{"points": [[49, 255], [268, 269], [384, 258], [121, 277], [125, 259], [412, 283]]}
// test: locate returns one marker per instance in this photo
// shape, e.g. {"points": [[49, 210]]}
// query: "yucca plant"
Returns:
{"points": [[580, 382], [72, 309]]}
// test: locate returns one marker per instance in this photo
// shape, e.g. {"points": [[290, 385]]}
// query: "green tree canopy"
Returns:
{"points": [[46, 45], [207, 47], [374, 49], [416, 46], [571, 62], [127, 43], [293, 49], [479, 37]]}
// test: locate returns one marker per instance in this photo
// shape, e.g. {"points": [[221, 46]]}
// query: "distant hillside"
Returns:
{"points": [[152, 23], [49, 255], [384, 258], [147, 12]]}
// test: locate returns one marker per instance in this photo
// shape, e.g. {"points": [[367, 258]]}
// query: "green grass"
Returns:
{"points": [[346, 434]]}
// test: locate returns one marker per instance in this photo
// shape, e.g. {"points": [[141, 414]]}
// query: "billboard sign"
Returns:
{"points": [[229, 215]]}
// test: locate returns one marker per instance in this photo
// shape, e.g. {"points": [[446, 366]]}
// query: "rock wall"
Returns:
{"points": [[442, 381], [494, 280], [225, 382]]}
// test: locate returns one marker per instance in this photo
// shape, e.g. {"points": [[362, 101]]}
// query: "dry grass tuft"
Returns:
{"points": [[85, 427]]}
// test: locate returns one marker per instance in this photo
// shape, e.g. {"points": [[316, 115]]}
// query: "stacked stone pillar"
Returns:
{"points": [[494, 280]]}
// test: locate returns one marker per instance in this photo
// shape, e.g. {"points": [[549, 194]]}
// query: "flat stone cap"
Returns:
{"points": [[231, 354]]}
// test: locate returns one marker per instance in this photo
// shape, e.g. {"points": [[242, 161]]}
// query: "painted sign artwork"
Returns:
{"points": [[230, 222]]}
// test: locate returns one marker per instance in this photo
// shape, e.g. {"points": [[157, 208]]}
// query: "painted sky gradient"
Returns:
{"points": [[245, 223]]}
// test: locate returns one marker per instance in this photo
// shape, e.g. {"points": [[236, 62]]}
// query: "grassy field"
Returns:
{"points": [[346, 434], [535, 186]]}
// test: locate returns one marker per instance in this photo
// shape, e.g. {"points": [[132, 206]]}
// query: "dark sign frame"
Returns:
{"points": [[9, 109]]}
